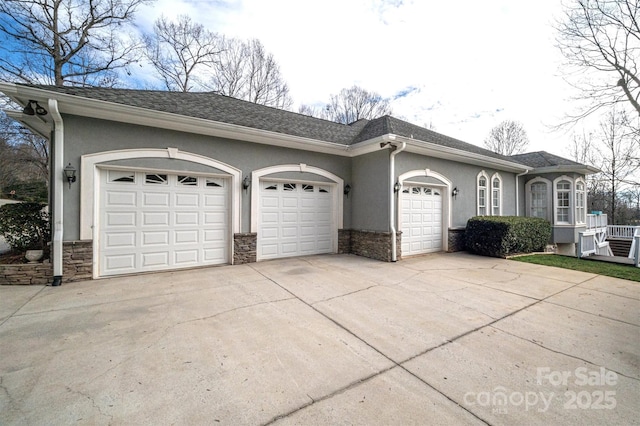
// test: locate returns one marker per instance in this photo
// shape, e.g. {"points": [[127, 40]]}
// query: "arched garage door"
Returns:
{"points": [[295, 219], [421, 213], [151, 221]]}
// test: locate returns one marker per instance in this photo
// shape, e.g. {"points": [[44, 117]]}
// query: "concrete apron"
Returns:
{"points": [[437, 339]]}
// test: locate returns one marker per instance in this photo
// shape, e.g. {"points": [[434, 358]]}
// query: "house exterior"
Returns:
{"points": [[169, 180]]}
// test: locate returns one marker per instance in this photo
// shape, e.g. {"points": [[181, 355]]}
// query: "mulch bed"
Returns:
{"points": [[12, 258]]}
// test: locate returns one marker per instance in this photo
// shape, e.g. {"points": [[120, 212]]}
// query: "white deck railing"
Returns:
{"points": [[622, 232], [596, 221]]}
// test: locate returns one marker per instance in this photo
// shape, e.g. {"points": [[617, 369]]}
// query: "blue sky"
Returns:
{"points": [[461, 67]]}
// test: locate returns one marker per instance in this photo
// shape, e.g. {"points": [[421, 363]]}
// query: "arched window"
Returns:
{"points": [[538, 199], [563, 201], [496, 195], [581, 197], [483, 181]]}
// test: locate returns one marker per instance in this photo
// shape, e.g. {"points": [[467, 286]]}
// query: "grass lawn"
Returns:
{"points": [[626, 272]]}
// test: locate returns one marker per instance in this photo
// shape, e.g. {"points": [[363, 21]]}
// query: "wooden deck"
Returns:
{"points": [[611, 259]]}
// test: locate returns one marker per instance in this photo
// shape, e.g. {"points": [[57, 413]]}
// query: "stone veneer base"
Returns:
{"points": [[372, 244], [244, 248]]}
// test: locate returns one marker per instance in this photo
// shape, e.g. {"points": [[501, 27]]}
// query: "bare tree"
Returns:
{"points": [[600, 40], [507, 138], [355, 103], [618, 145], [179, 50], [245, 70], [66, 42]]}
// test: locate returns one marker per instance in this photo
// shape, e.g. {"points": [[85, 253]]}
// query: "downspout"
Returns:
{"points": [[392, 201], [57, 184], [518, 192]]}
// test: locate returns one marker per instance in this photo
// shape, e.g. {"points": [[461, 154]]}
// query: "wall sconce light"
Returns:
{"points": [[246, 183], [455, 192], [28, 109], [70, 174], [347, 190], [396, 187]]}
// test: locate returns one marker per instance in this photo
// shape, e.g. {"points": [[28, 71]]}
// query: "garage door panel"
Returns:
{"points": [[214, 235], [156, 199], [159, 258], [186, 237], [290, 217], [121, 239], [289, 248], [178, 223], [213, 254], [182, 257], [187, 200], [289, 232], [186, 218], [155, 238], [121, 219], [119, 198], [215, 200], [155, 218], [123, 263], [214, 218]]}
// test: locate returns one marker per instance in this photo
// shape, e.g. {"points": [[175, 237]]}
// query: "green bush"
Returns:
{"points": [[25, 226], [499, 236]]}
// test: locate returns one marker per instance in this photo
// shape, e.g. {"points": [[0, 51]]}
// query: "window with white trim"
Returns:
{"points": [[563, 202], [581, 198], [496, 195], [539, 206], [482, 194]]}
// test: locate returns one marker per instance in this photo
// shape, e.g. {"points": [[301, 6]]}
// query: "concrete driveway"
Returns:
{"points": [[337, 339]]}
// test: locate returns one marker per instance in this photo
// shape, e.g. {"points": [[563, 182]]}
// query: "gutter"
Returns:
{"points": [[56, 182], [518, 192], [392, 195]]}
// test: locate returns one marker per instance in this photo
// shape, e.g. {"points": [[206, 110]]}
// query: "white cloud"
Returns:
{"points": [[472, 64]]}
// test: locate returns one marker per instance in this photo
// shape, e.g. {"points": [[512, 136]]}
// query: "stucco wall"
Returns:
{"points": [[86, 136], [464, 177], [370, 194]]}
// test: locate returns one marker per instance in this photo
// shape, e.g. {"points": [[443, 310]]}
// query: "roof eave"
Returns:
{"points": [[93, 108], [433, 150], [579, 168]]}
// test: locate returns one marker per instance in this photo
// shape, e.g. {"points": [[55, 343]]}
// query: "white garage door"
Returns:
{"points": [[421, 219], [155, 221], [296, 219]]}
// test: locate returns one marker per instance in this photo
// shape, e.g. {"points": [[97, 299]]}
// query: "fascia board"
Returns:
{"points": [[583, 169], [447, 153]]}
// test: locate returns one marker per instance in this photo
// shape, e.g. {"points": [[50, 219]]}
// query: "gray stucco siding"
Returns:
{"points": [[86, 136], [464, 177], [370, 192]]}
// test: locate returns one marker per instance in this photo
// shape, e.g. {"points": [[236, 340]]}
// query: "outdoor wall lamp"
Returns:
{"points": [[396, 187], [28, 109], [455, 192], [246, 182], [70, 174], [347, 190]]}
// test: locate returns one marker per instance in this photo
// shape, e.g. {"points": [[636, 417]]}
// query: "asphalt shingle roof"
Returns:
{"points": [[216, 107], [542, 159]]}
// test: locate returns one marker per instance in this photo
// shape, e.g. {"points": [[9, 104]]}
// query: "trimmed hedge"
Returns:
{"points": [[499, 236]]}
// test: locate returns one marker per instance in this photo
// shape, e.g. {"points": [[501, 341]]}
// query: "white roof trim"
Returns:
{"points": [[85, 107]]}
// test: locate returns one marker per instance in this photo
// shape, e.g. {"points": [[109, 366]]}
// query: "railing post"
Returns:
{"points": [[636, 240], [579, 248]]}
